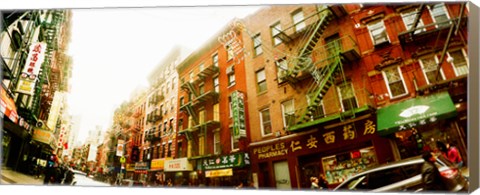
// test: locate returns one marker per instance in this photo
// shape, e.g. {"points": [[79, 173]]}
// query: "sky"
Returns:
{"points": [[115, 49]]}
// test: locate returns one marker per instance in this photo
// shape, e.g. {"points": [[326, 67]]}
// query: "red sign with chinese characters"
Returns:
{"points": [[342, 134]]}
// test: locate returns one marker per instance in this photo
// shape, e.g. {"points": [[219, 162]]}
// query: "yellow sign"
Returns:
{"points": [[158, 164], [122, 159], [219, 173]]}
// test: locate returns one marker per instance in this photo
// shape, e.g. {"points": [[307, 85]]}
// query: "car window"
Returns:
{"points": [[412, 170], [355, 183], [385, 177]]}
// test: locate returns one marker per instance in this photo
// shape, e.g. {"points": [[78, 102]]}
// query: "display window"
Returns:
{"points": [[339, 167]]}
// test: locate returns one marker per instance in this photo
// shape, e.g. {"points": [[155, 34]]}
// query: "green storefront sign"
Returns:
{"points": [[238, 111], [236, 160], [415, 112]]}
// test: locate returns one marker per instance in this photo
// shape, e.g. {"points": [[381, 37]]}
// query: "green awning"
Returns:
{"points": [[414, 113]]}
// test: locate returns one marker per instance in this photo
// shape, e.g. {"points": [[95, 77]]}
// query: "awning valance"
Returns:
{"points": [[415, 112]]}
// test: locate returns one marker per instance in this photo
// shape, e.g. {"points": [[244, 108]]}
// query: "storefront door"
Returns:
{"points": [[282, 175]]}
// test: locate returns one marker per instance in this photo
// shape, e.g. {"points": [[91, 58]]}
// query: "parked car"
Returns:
{"points": [[404, 175]]}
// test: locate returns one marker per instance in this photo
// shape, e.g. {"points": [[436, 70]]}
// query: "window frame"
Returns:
{"points": [[298, 25], [215, 59], [257, 44], [387, 82], [371, 28], [445, 11], [275, 32], [342, 98], [263, 82], [407, 15], [465, 57], [217, 143], [284, 114], [262, 122], [425, 71]]}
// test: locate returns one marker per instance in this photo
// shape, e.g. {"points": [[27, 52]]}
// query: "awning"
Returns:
{"points": [[415, 112]]}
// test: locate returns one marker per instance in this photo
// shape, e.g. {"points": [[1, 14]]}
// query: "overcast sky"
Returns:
{"points": [[114, 49]]}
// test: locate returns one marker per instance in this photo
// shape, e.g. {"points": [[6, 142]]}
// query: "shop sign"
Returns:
{"points": [[415, 112], [349, 132], [141, 166], [44, 136], [130, 167], [7, 106], [62, 137], [227, 161], [29, 75], [57, 104], [179, 164], [238, 111], [219, 173], [158, 164]]}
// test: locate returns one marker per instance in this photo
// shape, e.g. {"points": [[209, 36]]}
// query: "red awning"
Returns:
{"points": [[7, 106]]}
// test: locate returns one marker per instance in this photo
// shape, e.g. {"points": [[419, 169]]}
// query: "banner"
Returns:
{"points": [[7, 106], [238, 111], [120, 148], [57, 104], [29, 75]]}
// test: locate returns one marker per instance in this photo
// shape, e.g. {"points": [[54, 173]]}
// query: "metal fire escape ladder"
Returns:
{"points": [[304, 60], [323, 80]]}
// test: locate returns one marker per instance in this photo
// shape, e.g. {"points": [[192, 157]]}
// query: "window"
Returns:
{"points": [[429, 67], [201, 145], [190, 122], [201, 67], [216, 84], [298, 20], [230, 106], [460, 61], [408, 18], [163, 150], [378, 32], [440, 15], [231, 79], [173, 84], [288, 112], [282, 68], [347, 96], [201, 89], [159, 151], [235, 144], [265, 122], [216, 140], [229, 52], [182, 99], [172, 103], [167, 86], [180, 150], [257, 44], [394, 79], [201, 116], [275, 30], [169, 149], [261, 81], [215, 60], [216, 112]]}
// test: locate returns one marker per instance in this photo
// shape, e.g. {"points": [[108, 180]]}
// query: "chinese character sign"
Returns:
{"points": [[28, 78], [238, 111]]}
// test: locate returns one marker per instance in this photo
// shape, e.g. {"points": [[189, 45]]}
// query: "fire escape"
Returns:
{"points": [[449, 27], [197, 123], [322, 63]]}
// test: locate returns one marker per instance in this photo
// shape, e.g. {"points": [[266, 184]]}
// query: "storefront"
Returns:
{"points": [[179, 171], [141, 171], [156, 175], [336, 151], [223, 171], [417, 124]]}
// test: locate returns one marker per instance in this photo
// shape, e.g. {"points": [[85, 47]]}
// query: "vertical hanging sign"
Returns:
{"points": [[120, 147], [29, 75], [238, 111]]}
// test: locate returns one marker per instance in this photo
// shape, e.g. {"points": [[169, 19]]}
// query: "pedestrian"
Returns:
{"points": [[68, 179], [454, 155], [431, 178], [169, 183], [314, 183], [239, 186]]}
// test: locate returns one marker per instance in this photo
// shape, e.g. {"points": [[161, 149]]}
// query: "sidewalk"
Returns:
{"points": [[13, 177]]}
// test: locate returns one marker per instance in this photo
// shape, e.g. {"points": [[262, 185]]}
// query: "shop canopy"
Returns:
{"points": [[415, 112]]}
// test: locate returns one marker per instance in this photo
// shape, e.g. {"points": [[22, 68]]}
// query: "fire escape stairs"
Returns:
{"points": [[304, 54], [323, 80]]}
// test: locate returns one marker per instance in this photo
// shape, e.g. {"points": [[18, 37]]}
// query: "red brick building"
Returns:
{"points": [[336, 74], [212, 114]]}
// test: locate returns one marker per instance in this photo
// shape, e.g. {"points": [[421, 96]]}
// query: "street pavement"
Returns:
{"points": [[15, 178]]}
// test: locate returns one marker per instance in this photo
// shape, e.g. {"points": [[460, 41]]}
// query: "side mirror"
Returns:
{"points": [[75, 182]]}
